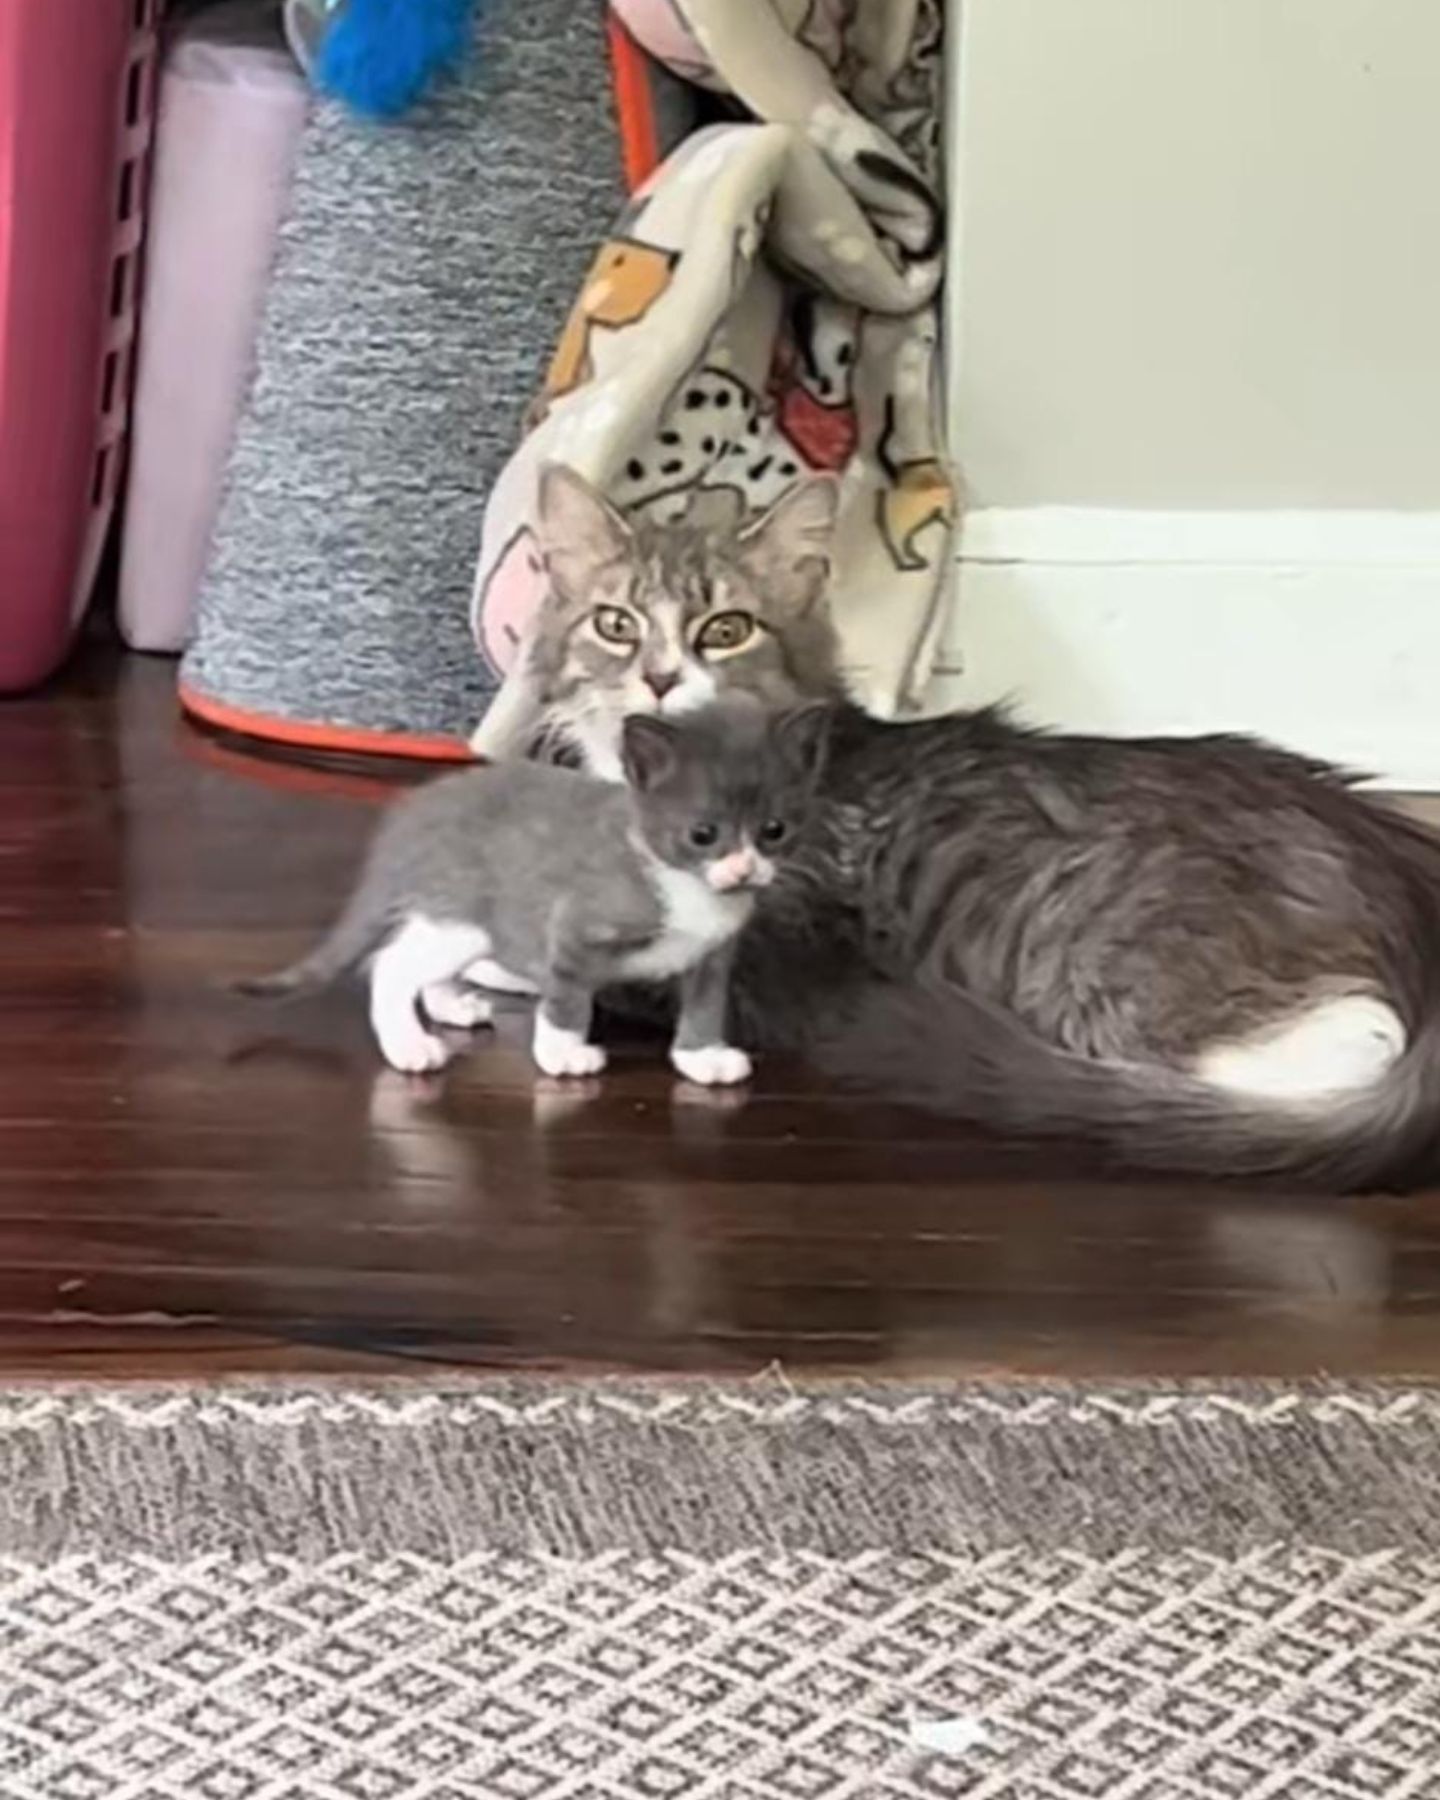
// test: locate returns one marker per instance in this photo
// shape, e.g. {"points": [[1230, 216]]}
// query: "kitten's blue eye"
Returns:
{"points": [[773, 831], [704, 835]]}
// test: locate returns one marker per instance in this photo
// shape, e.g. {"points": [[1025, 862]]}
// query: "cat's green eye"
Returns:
{"points": [[615, 625], [726, 631]]}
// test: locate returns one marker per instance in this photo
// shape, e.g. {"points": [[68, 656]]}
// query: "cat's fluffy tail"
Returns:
{"points": [[948, 1052]]}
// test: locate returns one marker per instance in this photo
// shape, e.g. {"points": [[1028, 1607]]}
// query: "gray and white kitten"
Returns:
{"points": [[570, 884], [649, 618]]}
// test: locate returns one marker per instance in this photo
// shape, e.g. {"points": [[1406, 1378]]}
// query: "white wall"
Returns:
{"points": [[1194, 323]]}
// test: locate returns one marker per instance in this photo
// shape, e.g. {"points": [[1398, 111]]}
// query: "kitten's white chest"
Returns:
{"points": [[697, 922]]}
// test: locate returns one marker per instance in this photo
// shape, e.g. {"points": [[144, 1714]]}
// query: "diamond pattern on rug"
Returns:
{"points": [[1289, 1675]]}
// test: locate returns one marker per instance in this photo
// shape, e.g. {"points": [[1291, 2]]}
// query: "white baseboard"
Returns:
{"points": [[1319, 631]]}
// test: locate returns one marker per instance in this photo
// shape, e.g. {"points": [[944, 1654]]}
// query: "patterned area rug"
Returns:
{"points": [[544, 1590]]}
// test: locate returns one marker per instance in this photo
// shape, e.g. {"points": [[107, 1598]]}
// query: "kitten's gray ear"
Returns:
{"points": [[647, 750], [786, 552], [803, 737], [579, 530]]}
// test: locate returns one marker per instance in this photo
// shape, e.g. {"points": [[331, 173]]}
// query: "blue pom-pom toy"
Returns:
{"points": [[381, 56]]}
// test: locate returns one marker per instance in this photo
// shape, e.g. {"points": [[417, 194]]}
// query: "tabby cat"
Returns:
{"points": [[1201, 954], [650, 618]]}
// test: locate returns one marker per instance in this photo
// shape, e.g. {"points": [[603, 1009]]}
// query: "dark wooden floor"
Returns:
{"points": [[188, 1183]]}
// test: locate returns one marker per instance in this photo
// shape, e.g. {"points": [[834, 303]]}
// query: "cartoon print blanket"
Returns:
{"points": [[765, 308]]}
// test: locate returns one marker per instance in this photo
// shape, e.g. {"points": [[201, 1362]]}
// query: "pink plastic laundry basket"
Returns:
{"points": [[76, 83]]}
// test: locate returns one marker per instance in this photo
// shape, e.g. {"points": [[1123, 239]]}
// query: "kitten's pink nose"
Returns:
{"points": [[660, 681], [741, 868]]}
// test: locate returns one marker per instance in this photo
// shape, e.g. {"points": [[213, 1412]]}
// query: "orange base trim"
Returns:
{"points": [[336, 739], [634, 105], [375, 782]]}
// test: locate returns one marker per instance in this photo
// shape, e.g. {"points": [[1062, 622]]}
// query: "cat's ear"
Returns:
{"points": [[803, 738], [647, 751], [787, 551], [580, 532]]}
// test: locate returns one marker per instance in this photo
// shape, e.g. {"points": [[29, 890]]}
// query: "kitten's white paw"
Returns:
{"points": [[571, 1060], [416, 1052], [560, 1052], [716, 1065], [462, 1008]]}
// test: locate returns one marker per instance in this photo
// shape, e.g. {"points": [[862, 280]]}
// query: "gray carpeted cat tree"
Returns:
{"points": [[423, 273]]}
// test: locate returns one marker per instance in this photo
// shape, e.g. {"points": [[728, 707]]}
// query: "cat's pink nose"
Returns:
{"points": [[660, 681], [741, 868]]}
